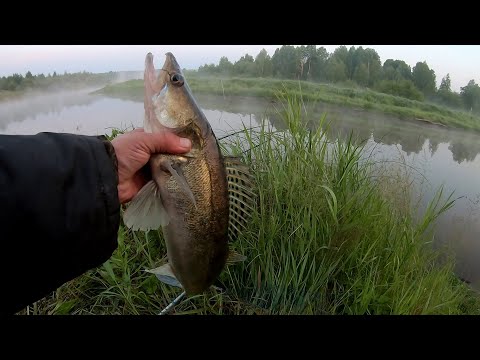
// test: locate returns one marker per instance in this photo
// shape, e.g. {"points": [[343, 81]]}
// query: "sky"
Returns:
{"points": [[462, 62]]}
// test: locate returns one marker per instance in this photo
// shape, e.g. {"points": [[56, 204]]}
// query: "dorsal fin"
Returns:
{"points": [[241, 195]]}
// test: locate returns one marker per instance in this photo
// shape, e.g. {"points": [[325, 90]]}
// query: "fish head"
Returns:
{"points": [[169, 103]]}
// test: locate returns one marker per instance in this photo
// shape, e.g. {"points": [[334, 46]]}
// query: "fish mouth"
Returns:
{"points": [[171, 65], [148, 60]]}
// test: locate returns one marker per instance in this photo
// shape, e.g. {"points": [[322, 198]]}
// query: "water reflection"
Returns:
{"points": [[411, 136], [30, 107]]}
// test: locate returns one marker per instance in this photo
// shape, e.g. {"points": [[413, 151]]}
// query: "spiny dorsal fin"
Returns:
{"points": [[241, 195]]}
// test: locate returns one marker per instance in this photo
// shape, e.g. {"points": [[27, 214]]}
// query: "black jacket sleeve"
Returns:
{"points": [[59, 212]]}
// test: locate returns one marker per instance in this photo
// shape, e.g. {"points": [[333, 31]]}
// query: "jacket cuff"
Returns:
{"points": [[109, 181]]}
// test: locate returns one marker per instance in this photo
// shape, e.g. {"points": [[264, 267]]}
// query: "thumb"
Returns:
{"points": [[165, 142]]}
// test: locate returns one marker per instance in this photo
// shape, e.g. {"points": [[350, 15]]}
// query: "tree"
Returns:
{"points": [[403, 88], [352, 60], [263, 64], [284, 62], [396, 70], [318, 69], [362, 65], [245, 66], [311, 54], [302, 58], [341, 54], [208, 68], [374, 66], [225, 66], [424, 78], [445, 85], [471, 96], [446, 96], [29, 80], [336, 70], [361, 75], [336, 65]]}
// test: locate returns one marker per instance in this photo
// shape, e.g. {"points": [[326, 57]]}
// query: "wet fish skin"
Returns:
{"points": [[191, 190]]}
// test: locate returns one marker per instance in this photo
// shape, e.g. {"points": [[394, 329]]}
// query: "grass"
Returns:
{"points": [[359, 98], [328, 236]]}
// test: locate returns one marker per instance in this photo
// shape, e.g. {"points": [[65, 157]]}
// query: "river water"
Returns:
{"points": [[440, 156]]}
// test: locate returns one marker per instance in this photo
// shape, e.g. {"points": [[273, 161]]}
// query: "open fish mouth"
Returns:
{"points": [[160, 109]]}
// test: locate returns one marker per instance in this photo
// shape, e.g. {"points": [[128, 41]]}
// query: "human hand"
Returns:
{"points": [[133, 151]]}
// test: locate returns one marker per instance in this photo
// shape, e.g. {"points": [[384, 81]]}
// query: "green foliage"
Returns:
{"points": [[396, 70], [446, 96], [284, 62], [403, 88], [361, 75], [263, 64], [355, 66], [17, 82], [336, 70], [225, 66], [424, 78], [446, 84], [471, 96]]}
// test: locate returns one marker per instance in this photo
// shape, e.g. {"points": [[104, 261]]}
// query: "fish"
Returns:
{"points": [[201, 200]]}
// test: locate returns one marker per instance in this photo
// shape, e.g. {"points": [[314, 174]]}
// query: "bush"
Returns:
{"points": [[403, 88]]}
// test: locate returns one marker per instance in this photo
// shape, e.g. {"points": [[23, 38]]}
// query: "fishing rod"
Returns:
{"points": [[172, 304]]}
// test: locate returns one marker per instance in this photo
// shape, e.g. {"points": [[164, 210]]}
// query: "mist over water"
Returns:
{"points": [[439, 156]]}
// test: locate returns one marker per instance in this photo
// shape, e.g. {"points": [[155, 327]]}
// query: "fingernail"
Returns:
{"points": [[186, 143]]}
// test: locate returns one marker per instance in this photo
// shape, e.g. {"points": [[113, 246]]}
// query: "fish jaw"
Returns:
{"points": [[168, 101]]}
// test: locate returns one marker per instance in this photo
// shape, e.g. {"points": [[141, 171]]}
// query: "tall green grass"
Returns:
{"points": [[327, 237]]}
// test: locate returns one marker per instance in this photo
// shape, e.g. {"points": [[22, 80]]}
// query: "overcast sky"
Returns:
{"points": [[461, 61]]}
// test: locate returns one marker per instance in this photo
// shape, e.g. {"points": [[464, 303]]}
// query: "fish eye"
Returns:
{"points": [[177, 79]]}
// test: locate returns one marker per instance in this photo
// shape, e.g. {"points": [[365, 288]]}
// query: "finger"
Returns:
{"points": [[166, 142]]}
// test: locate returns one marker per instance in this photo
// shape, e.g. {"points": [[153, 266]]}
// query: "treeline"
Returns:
{"points": [[17, 82], [351, 67]]}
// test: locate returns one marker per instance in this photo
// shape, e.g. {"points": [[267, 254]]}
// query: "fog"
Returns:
{"points": [[123, 76], [37, 103]]}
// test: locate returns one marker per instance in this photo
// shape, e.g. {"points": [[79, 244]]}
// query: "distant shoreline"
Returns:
{"points": [[362, 99]]}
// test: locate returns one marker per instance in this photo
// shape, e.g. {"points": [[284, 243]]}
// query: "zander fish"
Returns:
{"points": [[200, 199]]}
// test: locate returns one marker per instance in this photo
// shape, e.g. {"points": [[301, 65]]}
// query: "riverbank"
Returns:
{"points": [[6, 95], [314, 92]]}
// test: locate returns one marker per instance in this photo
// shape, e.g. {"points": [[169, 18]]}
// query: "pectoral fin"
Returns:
{"points": [[146, 210], [165, 274], [174, 167]]}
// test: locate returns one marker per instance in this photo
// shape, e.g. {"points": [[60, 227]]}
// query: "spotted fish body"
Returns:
{"points": [[189, 195]]}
